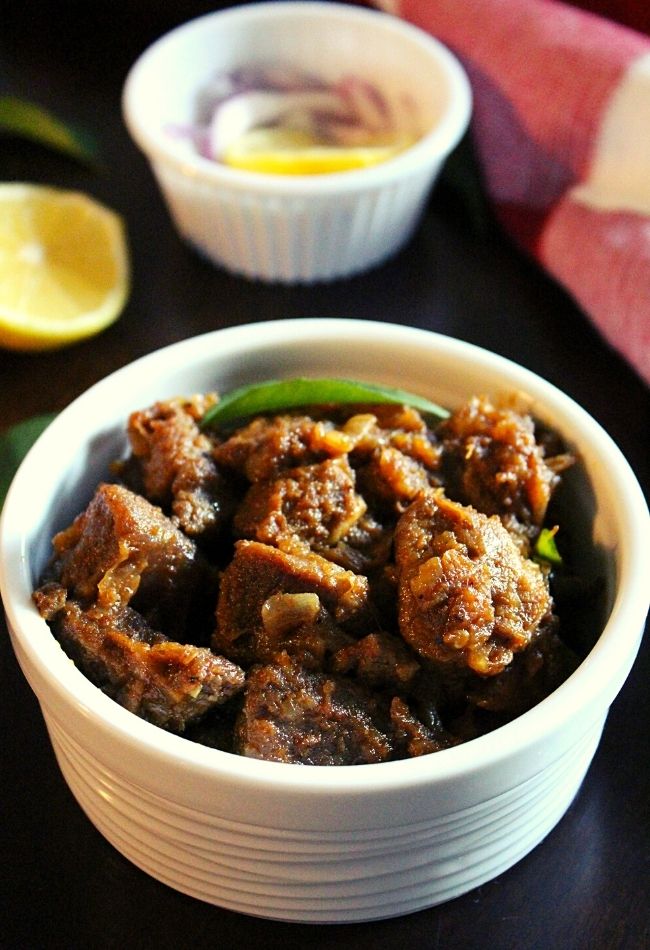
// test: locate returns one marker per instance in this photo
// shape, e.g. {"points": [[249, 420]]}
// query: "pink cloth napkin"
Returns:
{"points": [[561, 127]]}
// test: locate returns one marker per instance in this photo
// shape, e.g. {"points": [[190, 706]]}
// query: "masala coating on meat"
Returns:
{"points": [[466, 595], [123, 550], [412, 738], [310, 507], [299, 625], [167, 683], [533, 674], [316, 507], [266, 447], [257, 572], [171, 464], [269, 446], [493, 462], [333, 485], [293, 715], [381, 660], [393, 479]]}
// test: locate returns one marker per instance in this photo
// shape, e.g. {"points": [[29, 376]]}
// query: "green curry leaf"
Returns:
{"points": [[28, 120], [280, 394], [546, 548], [14, 446]]}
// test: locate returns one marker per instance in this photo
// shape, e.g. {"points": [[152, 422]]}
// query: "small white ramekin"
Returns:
{"points": [[303, 843], [296, 228]]}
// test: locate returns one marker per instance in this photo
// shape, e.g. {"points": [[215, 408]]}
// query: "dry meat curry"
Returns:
{"points": [[324, 585]]}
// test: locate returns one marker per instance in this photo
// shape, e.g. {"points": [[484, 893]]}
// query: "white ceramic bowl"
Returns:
{"points": [[319, 843], [296, 228]]}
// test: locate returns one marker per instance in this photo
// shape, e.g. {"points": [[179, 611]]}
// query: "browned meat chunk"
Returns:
{"points": [[309, 507], [366, 547], [396, 456], [390, 420], [50, 598], [396, 433], [400, 426], [532, 675], [466, 595], [122, 550], [167, 683], [379, 659], [393, 479], [292, 715], [493, 462], [266, 447], [297, 624], [256, 573], [412, 737], [172, 465]]}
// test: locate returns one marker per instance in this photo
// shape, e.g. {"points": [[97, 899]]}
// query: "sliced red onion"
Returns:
{"points": [[251, 110], [350, 112]]}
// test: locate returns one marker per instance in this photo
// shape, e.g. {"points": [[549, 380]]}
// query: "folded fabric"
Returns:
{"points": [[561, 128]]}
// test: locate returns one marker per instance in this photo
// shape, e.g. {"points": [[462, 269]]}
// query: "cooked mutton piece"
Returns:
{"points": [[266, 447], [374, 427], [532, 675], [50, 598], [299, 625], [257, 572], [493, 462], [412, 737], [123, 550], [172, 466], [466, 595], [316, 507], [311, 507], [365, 549], [392, 479], [381, 660], [167, 683], [395, 455], [293, 715]]}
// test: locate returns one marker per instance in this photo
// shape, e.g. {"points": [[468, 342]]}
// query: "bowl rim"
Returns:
{"points": [[436, 144], [595, 683]]}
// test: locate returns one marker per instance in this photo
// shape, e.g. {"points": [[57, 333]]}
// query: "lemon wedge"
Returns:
{"points": [[282, 151], [64, 268]]}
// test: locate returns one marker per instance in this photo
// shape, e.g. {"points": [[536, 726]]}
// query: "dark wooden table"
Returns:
{"points": [[61, 885]]}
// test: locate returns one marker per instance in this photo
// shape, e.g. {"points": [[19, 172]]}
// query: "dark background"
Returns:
{"points": [[61, 884]]}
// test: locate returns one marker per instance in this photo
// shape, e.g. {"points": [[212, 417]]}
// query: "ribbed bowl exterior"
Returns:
{"points": [[319, 876], [296, 239]]}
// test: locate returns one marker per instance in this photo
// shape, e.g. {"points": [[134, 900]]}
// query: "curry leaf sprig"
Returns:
{"points": [[15, 443], [276, 395], [25, 119], [546, 547]]}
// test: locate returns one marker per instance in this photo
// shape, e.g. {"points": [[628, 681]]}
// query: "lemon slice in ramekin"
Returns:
{"points": [[282, 151]]}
